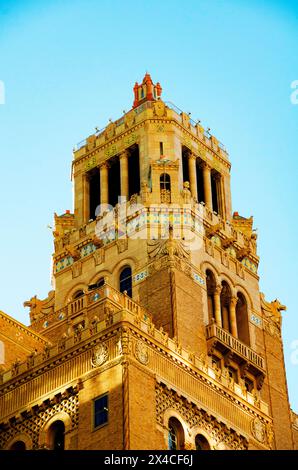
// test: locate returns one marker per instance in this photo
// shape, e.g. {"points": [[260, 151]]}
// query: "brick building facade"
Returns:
{"points": [[155, 335]]}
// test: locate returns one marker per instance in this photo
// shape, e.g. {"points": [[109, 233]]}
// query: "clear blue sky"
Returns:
{"points": [[69, 66]]}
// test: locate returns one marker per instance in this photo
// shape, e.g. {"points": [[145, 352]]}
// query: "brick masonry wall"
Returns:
{"points": [[17, 341]]}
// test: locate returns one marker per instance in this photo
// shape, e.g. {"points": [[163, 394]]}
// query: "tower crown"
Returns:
{"points": [[146, 91]]}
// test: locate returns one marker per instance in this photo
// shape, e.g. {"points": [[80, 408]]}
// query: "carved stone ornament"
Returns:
{"points": [[129, 119], [141, 352], [99, 256], [258, 430], [159, 108], [100, 355]]}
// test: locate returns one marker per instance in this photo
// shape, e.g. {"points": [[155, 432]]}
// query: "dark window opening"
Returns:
{"points": [[175, 435], [101, 411], [126, 281], [18, 445], [185, 164], [214, 193], [216, 362], [161, 148], [97, 284], [249, 385], [134, 171], [78, 294], [56, 435], [233, 374], [242, 319], [211, 284], [114, 181], [201, 442], [94, 192], [200, 184], [225, 300], [165, 181]]}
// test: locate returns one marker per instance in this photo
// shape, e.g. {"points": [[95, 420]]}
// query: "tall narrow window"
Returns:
{"points": [[134, 170], [114, 181], [101, 411], [200, 183], [161, 148], [56, 434], [94, 192], [175, 435], [185, 168], [225, 300], [242, 319], [214, 190], [165, 188], [211, 284], [126, 281]]}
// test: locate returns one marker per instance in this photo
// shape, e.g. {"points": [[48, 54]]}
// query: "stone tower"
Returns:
{"points": [[155, 335]]}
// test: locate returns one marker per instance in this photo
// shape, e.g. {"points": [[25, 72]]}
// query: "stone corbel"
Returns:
{"points": [[228, 242], [73, 252], [213, 230], [243, 253]]}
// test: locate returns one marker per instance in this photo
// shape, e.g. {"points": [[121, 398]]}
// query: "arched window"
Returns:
{"points": [[78, 294], [97, 284], [165, 188], [225, 300], [201, 442], [211, 284], [126, 281], [18, 445], [176, 435], [242, 319], [56, 435]]}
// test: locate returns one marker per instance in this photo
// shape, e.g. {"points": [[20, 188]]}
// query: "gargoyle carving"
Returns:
{"points": [[40, 308], [272, 310]]}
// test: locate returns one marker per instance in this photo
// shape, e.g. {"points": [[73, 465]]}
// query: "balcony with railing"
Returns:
{"points": [[224, 342]]}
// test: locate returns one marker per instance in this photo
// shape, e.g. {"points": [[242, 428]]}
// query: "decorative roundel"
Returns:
{"points": [[100, 355]]}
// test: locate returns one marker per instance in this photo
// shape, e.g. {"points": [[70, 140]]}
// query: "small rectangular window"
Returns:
{"points": [[161, 148], [101, 411]]}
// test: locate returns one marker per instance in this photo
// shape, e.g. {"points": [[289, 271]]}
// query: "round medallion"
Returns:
{"points": [[141, 352], [100, 355], [258, 429]]}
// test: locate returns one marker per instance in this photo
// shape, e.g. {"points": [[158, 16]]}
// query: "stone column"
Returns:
{"points": [[225, 317], [192, 170], [207, 186], [222, 197], [217, 305], [233, 318], [124, 182], [104, 183]]}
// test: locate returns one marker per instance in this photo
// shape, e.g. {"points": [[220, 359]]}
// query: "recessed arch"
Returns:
{"points": [[79, 286], [210, 286], [225, 277], [125, 280], [207, 265], [176, 435], [243, 290], [46, 433], [19, 442], [201, 442], [242, 318], [225, 301]]}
